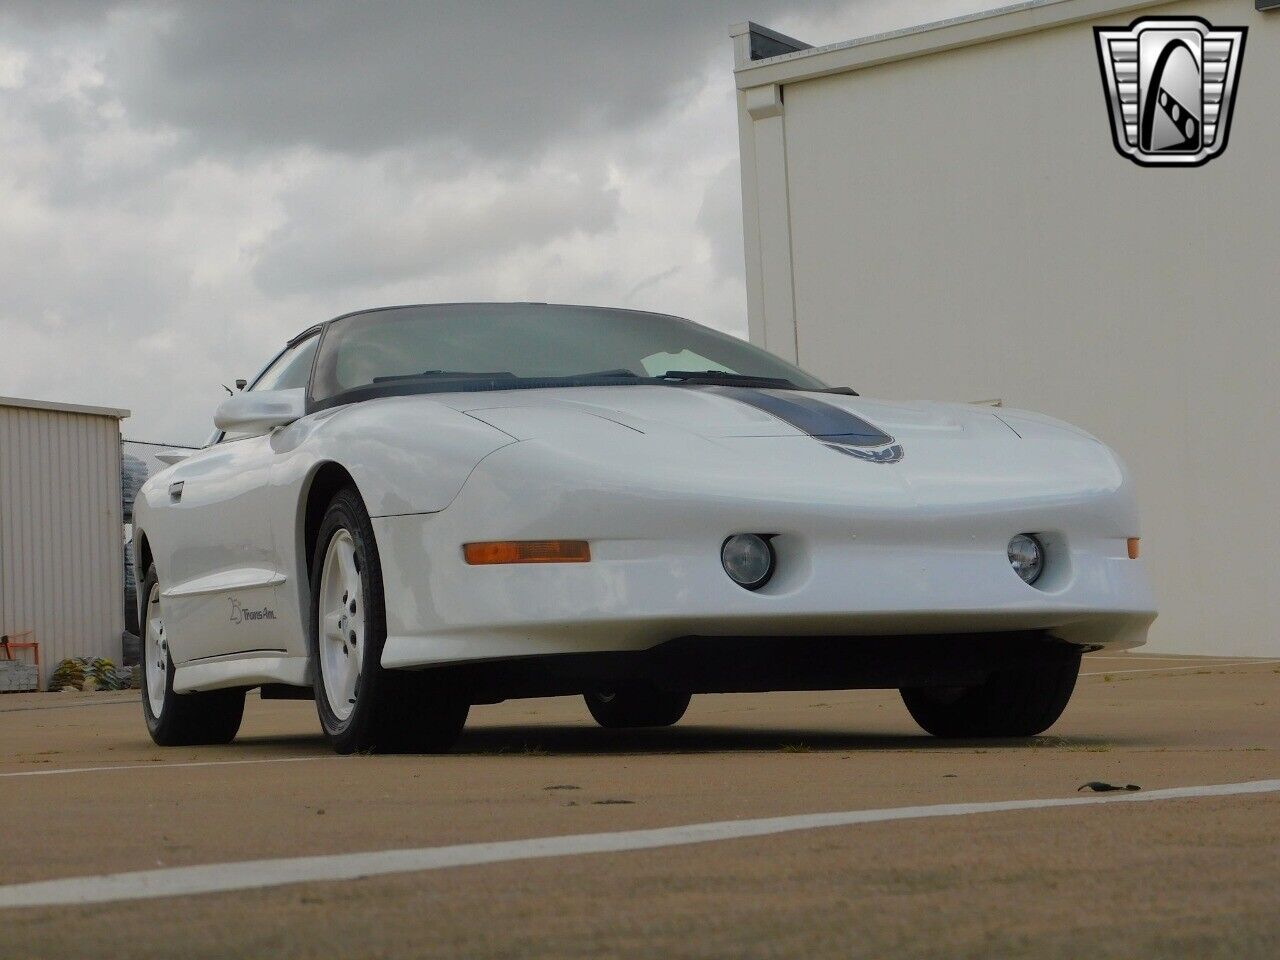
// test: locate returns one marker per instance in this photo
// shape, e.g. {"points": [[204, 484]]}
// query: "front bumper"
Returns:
{"points": [[835, 578]]}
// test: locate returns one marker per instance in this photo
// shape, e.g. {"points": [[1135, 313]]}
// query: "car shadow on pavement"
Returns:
{"points": [[524, 740], [581, 740]]}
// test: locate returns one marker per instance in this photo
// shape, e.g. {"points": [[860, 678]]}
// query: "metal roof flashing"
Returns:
{"points": [[753, 43], [52, 406], [810, 62]]}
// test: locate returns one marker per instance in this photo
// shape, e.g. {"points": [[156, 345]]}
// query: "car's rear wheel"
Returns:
{"points": [[636, 705], [179, 719], [1021, 701], [363, 707]]}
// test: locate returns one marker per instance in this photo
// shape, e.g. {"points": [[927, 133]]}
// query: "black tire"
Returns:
{"points": [[185, 719], [394, 711], [1019, 702], [636, 705]]}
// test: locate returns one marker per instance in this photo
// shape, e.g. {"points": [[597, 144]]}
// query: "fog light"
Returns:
{"points": [[748, 560], [1026, 556]]}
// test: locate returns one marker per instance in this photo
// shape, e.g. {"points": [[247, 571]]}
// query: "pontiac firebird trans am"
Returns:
{"points": [[415, 509]]}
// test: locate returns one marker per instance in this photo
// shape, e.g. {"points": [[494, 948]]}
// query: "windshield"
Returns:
{"points": [[495, 345]]}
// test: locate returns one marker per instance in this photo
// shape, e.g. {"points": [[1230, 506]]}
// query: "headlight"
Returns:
{"points": [[1026, 556], [748, 560]]}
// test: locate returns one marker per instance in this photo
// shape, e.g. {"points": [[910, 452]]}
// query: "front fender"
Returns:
{"points": [[406, 454]]}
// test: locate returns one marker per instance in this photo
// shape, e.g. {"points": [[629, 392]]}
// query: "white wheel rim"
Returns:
{"points": [[155, 652], [342, 625]]}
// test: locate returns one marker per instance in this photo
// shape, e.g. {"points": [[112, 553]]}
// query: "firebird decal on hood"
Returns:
{"points": [[837, 429], [889, 454]]}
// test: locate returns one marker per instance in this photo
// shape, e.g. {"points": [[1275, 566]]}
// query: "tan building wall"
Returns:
{"points": [[61, 534], [958, 225]]}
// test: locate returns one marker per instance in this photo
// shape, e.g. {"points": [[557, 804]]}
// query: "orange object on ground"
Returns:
{"points": [[9, 643]]}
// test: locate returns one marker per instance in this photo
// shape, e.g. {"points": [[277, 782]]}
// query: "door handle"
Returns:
{"points": [[175, 491]]}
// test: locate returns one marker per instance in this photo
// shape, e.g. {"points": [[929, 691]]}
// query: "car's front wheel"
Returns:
{"points": [[1021, 701], [636, 705], [363, 707], [179, 719]]}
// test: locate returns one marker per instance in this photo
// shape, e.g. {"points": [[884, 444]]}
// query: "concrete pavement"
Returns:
{"points": [[1186, 877]]}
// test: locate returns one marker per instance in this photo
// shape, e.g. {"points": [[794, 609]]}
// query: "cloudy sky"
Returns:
{"points": [[183, 186]]}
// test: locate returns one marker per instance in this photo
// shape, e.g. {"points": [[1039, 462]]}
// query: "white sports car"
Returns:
{"points": [[418, 508]]}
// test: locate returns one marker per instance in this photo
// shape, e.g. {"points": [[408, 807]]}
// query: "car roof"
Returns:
{"points": [[316, 328]]}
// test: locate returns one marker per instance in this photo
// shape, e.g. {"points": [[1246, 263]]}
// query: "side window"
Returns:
{"points": [[291, 369]]}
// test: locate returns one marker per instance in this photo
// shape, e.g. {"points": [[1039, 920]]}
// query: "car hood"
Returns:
{"points": [[928, 453], [692, 445], [720, 413]]}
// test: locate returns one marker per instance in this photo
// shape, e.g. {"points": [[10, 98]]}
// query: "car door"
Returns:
{"points": [[220, 578]]}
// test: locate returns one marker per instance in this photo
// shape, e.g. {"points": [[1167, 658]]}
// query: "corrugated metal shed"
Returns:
{"points": [[61, 532]]}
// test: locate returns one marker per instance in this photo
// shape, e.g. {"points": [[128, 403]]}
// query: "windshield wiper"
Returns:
{"points": [[438, 380], [602, 374], [448, 375], [723, 377], [728, 379]]}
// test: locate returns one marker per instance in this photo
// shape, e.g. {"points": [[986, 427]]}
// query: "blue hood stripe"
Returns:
{"points": [[822, 421]]}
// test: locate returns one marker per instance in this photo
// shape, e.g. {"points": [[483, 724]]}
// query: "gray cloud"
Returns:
{"points": [[360, 77], [184, 185], [54, 13], [720, 220], [388, 229]]}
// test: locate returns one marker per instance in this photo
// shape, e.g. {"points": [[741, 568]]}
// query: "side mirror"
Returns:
{"points": [[260, 411]]}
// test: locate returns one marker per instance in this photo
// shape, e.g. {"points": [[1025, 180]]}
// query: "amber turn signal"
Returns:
{"points": [[1133, 548], [527, 551]]}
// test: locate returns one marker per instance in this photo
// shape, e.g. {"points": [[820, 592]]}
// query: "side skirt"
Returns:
{"points": [[241, 672]]}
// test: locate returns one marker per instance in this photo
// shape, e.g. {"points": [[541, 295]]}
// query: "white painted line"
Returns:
{"points": [[1198, 666], [160, 765], [257, 874], [1194, 658]]}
